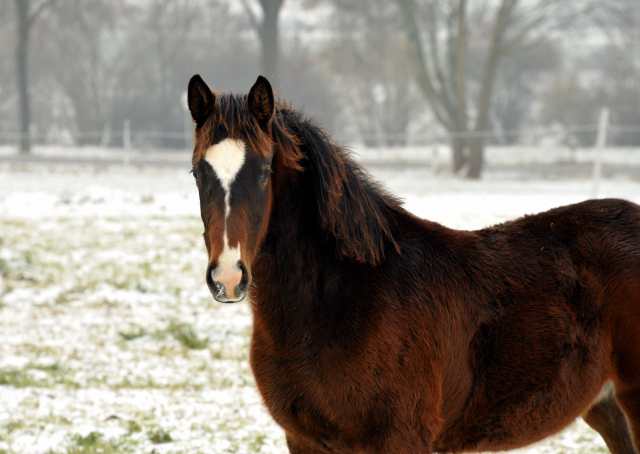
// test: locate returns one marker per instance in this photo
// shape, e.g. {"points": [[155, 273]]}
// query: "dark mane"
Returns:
{"points": [[343, 189]]}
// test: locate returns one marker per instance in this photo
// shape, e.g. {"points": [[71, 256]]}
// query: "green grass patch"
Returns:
{"points": [[182, 332], [93, 443], [133, 427], [187, 336], [159, 436], [27, 376], [256, 441], [133, 334]]}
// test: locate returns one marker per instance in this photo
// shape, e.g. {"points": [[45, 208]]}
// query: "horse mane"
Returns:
{"points": [[352, 207]]}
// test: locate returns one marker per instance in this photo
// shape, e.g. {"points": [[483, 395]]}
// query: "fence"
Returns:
{"points": [[573, 136]]}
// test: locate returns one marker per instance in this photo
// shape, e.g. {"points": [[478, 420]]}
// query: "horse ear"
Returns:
{"points": [[261, 101], [200, 99]]}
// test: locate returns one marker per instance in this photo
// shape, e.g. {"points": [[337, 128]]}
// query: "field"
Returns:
{"points": [[109, 339]]}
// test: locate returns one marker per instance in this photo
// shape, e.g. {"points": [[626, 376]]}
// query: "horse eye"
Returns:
{"points": [[195, 175], [265, 174]]}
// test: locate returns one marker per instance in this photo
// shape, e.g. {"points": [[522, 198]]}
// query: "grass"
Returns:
{"points": [[133, 427], [257, 441], [184, 333], [159, 436], [147, 383], [187, 336], [134, 334], [26, 376], [112, 317], [93, 443]]}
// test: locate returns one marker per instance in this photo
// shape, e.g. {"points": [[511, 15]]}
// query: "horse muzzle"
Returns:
{"points": [[228, 284]]}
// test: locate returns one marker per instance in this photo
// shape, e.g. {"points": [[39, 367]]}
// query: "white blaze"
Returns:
{"points": [[227, 158]]}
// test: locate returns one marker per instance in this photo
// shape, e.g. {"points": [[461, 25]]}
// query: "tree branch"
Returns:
{"points": [[253, 19], [436, 61], [420, 65]]}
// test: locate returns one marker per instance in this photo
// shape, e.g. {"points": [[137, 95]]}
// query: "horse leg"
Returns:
{"points": [[606, 417], [627, 380], [629, 399]]}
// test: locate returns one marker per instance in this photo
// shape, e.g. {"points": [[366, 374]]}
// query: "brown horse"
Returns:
{"points": [[375, 331]]}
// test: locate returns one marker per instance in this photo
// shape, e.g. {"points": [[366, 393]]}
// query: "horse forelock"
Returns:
{"points": [[232, 115]]}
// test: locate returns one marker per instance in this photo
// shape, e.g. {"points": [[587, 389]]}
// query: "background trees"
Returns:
{"points": [[454, 45], [378, 73], [368, 66], [267, 28], [27, 12]]}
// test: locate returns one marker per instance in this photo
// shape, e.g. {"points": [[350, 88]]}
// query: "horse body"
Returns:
{"points": [[379, 332], [517, 345]]}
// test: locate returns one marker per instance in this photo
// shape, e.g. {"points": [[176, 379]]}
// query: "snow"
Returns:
{"points": [[103, 278]]}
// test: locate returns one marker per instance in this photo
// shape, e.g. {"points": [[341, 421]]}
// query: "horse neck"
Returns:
{"points": [[300, 292], [285, 271], [328, 223]]}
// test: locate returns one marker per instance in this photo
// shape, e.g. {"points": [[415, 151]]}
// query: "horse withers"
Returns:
{"points": [[375, 331]]}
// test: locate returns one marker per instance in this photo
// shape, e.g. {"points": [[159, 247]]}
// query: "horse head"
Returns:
{"points": [[232, 160]]}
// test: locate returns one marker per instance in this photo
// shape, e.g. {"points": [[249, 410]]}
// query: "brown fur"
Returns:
{"points": [[379, 332]]}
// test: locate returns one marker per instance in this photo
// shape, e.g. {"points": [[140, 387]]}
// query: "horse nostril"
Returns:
{"points": [[245, 276], [212, 272]]}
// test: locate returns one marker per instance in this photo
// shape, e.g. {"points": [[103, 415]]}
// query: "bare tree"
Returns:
{"points": [[27, 12], [439, 65], [268, 32], [77, 52], [612, 68], [380, 102], [368, 64]]}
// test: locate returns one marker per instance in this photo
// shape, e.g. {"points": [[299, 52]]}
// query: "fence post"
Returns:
{"points": [[186, 121], [379, 95], [601, 142], [105, 139], [126, 142]]}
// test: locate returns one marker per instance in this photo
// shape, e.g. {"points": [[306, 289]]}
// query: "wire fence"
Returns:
{"points": [[573, 136]]}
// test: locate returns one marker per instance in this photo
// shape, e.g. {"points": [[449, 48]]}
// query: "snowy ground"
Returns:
{"points": [[110, 341]]}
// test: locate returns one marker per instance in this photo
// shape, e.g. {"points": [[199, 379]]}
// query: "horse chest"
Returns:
{"points": [[333, 401], [292, 382]]}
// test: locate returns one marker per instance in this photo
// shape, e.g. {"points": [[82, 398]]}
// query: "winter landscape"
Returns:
{"points": [[109, 339]]}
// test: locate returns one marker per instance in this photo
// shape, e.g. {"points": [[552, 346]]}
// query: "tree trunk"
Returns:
{"points": [[476, 143], [458, 145], [269, 39], [476, 157], [460, 67], [22, 48]]}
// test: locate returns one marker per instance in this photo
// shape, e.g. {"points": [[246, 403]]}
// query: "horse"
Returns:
{"points": [[375, 331]]}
